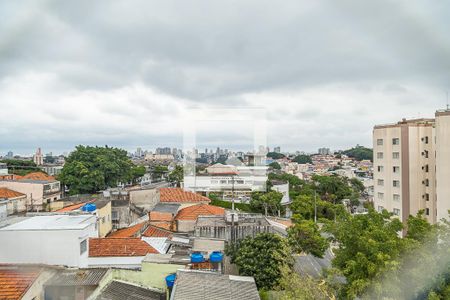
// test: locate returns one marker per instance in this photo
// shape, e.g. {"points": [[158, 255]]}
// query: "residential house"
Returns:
{"points": [[16, 202], [184, 198], [23, 282], [187, 217], [50, 239], [40, 188]]}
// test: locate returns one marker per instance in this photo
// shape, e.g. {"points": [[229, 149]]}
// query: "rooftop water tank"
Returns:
{"points": [[197, 257], [170, 280], [216, 257], [90, 207]]}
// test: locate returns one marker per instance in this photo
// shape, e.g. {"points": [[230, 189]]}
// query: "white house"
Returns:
{"points": [[51, 239]]}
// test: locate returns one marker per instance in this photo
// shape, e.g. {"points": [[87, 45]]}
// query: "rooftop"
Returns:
{"points": [[53, 222], [119, 290], [79, 277], [180, 195], [9, 194], [167, 207], [132, 231], [39, 176], [15, 281], [153, 231], [199, 285], [193, 212], [99, 247]]}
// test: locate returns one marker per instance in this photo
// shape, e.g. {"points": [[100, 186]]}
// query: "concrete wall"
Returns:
{"points": [[185, 225], [105, 220], [51, 247], [146, 198], [17, 205], [126, 262]]}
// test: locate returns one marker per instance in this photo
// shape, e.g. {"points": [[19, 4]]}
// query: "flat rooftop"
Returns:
{"points": [[55, 222]]}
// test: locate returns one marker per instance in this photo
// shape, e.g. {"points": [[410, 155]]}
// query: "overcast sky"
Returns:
{"points": [[125, 73]]}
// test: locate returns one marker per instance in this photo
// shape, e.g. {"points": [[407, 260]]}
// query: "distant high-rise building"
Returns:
{"points": [[10, 154], [277, 149], [38, 158], [139, 152], [324, 151], [165, 150]]}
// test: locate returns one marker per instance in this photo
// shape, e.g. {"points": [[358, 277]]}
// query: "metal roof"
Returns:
{"points": [[198, 285], [167, 207], [119, 290], [53, 222], [79, 277]]}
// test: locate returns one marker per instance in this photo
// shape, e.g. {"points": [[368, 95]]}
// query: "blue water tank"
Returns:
{"points": [[170, 280], [90, 207], [197, 257], [216, 257]]}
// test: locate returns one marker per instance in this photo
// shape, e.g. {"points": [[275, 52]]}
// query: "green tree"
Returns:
{"points": [[275, 155], [303, 159], [177, 175], [264, 258], [304, 237], [368, 246], [359, 153], [274, 165], [90, 169], [20, 167], [263, 202]]}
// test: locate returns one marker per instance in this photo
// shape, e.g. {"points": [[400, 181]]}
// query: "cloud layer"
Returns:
{"points": [[123, 73]]}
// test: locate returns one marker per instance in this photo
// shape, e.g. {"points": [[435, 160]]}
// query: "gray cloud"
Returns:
{"points": [[99, 71]]}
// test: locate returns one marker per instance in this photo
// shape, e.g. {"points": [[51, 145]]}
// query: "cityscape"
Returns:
{"points": [[224, 150]]}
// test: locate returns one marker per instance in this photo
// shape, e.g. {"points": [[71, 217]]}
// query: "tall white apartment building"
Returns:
{"points": [[404, 177], [412, 167], [443, 163]]}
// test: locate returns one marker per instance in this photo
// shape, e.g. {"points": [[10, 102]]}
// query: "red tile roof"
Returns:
{"points": [[132, 231], [37, 176], [163, 225], [8, 194], [180, 195], [15, 282], [73, 207], [193, 212], [153, 231], [100, 247]]}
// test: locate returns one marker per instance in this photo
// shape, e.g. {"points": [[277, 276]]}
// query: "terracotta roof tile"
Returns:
{"points": [[193, 212], [14, 282], [37, 176], [180, 195], [153, 231], [99, 247], [132, 231], [73, 207], [7, 193]]}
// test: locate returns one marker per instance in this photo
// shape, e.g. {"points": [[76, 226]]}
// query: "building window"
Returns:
{"points": [[396, 183], [83, 247], [114, 215], [426, 168], [380, 182], [427, 211], [427, 197], [425, 154], [380, 168], [396, 169], [396, 211], [395, 141], [380, 196], [380, 208], [426, 140], [396, 197], [395, 155], [380, 155], [103, 220], [426, 182], [223, 182], [380, 142]]}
